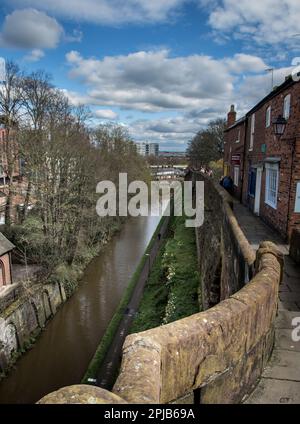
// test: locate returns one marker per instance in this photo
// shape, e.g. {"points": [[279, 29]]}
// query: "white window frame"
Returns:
{"points": [[268, 117], [272, 184], [236, 175], [252, 132], [287, 106], [239, 136]]}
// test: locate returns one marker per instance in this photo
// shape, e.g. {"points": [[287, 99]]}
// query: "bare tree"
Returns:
{"points": [[37, 94], [207, 145]]}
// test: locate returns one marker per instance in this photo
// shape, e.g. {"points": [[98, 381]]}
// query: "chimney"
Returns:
{"points": [[231, 117]]}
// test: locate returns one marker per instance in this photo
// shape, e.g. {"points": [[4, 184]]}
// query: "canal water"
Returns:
{"points": [[62, 353]]}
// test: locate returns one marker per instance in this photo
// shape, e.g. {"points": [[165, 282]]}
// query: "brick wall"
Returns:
{"points": [[5, 275], [233, 148]]}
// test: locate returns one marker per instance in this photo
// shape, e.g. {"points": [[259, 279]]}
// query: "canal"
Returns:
{"points": [[62, 353]]}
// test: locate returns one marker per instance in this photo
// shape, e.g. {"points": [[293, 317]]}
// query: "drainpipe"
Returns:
{"points": [[290, 189], [244, 159]]}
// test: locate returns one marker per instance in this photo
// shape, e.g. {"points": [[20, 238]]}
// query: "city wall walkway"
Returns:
{"points": [[280, 382]]}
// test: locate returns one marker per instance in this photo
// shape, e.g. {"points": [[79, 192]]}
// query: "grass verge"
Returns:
{"points": [[171, 292]]}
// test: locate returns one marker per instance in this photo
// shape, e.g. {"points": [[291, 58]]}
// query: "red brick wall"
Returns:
{"points": [[294, 218], [232, 148], [5, 259]]}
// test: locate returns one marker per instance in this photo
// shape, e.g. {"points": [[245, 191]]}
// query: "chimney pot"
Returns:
{"points": [[231, 117]]}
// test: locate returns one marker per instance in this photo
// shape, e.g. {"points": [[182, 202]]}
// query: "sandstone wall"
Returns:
{"points": [[226, 259], [23, 313]]}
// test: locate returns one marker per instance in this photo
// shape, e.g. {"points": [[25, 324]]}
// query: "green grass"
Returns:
{"points": [[180, 262], [172, 290], [110, 332], [152, 307]]}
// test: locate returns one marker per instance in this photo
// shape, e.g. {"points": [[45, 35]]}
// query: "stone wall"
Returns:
{"points": [[216, 355], [226, 259], [23, 313]]}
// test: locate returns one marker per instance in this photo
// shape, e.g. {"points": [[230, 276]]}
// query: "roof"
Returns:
{"points": [[238, 122], [5, 245], [286, 84]]}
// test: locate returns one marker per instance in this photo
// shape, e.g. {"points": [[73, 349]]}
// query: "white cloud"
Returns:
{"points": [[265, 22], [30, 29], [193, 89], [75, 37], [154, 81], [34, 56], [106, 114], [108, 12]]}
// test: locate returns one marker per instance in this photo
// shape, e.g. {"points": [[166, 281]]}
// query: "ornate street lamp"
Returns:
{"points": [[279, 125]]}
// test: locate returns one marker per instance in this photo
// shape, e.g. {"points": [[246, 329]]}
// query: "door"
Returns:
{"points": [[258, 191]]}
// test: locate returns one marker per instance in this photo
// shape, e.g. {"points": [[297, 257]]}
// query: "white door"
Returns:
{"points": [[258, 190]]}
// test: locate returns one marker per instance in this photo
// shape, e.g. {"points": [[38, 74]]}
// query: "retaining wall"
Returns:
{"points": [[226, 260], [23, 313]]}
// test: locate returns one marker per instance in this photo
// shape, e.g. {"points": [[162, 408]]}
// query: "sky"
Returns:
{"points": [[161, 68]]}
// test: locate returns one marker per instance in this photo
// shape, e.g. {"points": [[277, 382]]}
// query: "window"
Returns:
{"points": [[252, 182], [268, 117], [236, 176], [252, 132], [238, 137], [272, 176], [287, 106]]}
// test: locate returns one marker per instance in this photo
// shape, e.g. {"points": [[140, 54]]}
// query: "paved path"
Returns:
{"points": [[280, 382]]}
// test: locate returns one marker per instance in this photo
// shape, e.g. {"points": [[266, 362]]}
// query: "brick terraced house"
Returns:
{"points": [[16, 175], [265, 165]]}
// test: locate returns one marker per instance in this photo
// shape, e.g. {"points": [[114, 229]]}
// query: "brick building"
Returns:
{"points": [[234, 150], [5, 261], [267, 172], [16, 175]]}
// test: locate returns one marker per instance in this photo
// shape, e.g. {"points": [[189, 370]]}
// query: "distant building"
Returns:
{"points": [[17, 170], [3, 159], [141, 149], [147, 149], [5, 261], [168, 154], [153, 149]]}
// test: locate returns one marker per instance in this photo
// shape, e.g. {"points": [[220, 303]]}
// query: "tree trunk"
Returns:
{"points": [[26, 201]]}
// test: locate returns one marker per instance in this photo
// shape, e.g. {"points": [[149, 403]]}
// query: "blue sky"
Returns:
{"points": [[163, 68]]}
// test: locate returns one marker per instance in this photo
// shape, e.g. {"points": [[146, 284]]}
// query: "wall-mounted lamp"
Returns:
{"points": [[279, 126]]}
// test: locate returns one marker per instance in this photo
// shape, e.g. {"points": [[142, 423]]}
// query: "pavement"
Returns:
{"points": [[280, 382]]}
